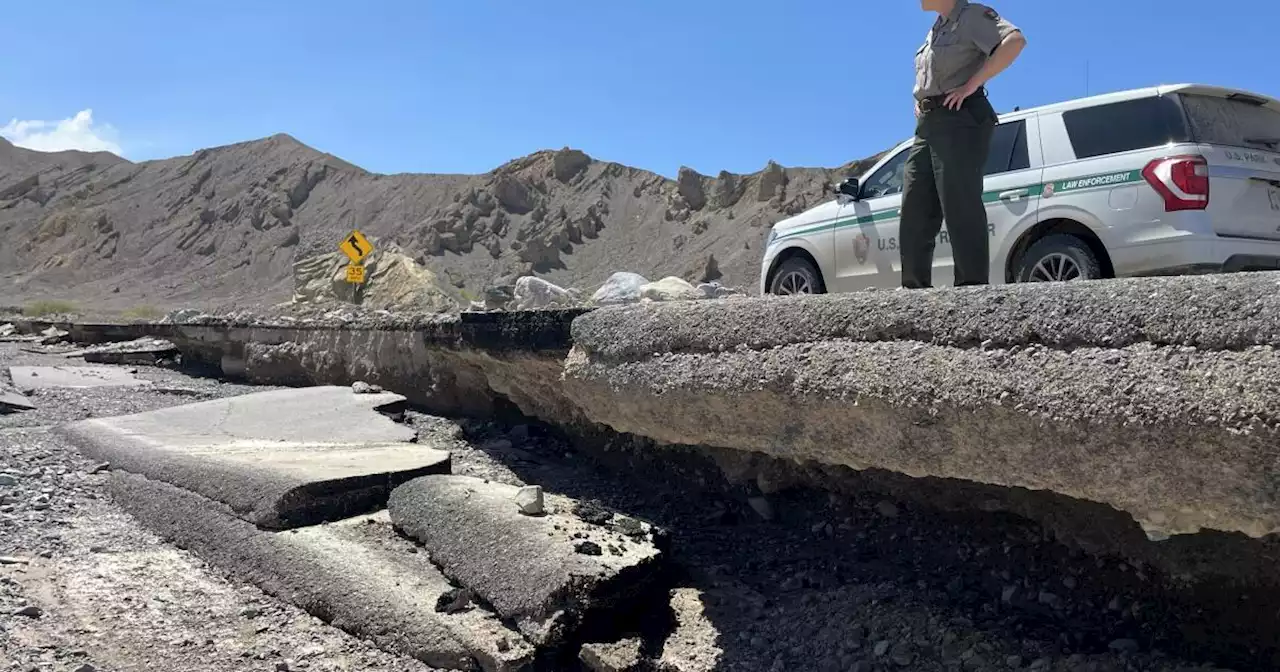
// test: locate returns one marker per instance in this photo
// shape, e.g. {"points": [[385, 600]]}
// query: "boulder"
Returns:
{"points": [[533, 293], [620, 288], [670, 288]]}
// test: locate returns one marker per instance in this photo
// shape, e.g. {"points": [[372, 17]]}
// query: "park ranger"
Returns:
{"points": [[968, 45]]}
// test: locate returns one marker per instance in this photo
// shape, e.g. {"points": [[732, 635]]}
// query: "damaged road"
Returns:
{"points": [[828, 584]]}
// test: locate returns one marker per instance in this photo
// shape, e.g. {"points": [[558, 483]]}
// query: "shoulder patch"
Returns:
{"points": [[990, 14]]}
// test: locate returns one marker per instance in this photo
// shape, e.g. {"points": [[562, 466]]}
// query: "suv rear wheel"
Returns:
{"points": [[1058, 258], [796, 276]]}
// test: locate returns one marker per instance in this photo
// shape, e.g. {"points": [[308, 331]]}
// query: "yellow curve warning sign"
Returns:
{"points": [[356, 247]]}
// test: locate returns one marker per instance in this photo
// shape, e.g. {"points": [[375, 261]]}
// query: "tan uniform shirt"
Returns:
{"points": [[957, 47]]}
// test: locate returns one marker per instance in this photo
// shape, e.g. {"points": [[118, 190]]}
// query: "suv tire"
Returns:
{"points": [[794, 274], [1058, 257]]}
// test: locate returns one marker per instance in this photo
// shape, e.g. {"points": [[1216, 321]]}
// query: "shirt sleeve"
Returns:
{"points": [[985, 27]]}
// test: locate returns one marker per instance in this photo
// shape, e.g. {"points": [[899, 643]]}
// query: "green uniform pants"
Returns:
{"points": [[944, 180]]}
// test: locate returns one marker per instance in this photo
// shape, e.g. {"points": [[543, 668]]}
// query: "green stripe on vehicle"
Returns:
{"points": [[1072, 185]]}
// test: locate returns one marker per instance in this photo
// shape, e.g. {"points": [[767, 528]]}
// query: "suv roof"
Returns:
{"points": [[1146, 92]]}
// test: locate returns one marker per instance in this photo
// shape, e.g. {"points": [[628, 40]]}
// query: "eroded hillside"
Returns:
{"points": [[222, 227]]}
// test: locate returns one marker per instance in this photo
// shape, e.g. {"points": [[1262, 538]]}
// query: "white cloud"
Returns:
{"points": [[78, 132]]}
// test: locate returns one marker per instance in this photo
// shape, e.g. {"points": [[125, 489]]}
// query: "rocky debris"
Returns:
{"points": [[532, 293], [621, 288], [140, 351], [7, 329], [623, 656], [694, 646], [533, 577], [181, 316], [670, 288], [393, 281], [529, 499]]}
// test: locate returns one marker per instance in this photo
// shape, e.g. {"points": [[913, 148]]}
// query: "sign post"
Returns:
{"points": [[357, 248]]}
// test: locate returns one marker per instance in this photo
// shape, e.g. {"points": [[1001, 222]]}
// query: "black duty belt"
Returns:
{"points": [[937, 102]]}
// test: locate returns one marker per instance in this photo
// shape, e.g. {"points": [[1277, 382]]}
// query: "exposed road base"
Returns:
{"points": [[356, 574]]}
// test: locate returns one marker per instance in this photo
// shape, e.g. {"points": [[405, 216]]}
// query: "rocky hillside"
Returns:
{"points": [[223, 227]]}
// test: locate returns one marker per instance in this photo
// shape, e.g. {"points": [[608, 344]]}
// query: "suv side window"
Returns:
{"points": [[1008, 149], [1125, 126], [887, 180]]}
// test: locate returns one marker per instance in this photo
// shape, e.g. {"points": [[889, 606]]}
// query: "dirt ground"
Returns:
{"points": [[829, 584]]}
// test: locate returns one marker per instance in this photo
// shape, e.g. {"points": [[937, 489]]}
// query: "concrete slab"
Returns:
{"points": [[279, 459], [546, 574], [357, 575], [30, 378]]}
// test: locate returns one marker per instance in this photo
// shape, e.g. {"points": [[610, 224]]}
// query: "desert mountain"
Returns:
{"points": [[223, 227]]}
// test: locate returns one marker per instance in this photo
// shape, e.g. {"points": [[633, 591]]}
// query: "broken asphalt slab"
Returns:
{"points": [[31, 378], [547, 574], [1155, 396], [279, 459], [138, 351], [14, 401], [357, 575]]}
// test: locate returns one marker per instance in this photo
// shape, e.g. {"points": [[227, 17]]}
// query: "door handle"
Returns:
{"points": [[1014, 194]]}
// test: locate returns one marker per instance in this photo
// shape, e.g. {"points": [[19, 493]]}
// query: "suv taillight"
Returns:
{"points": [[1183, 182]]}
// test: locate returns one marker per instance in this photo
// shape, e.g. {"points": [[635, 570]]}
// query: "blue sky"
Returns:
{"points": [[465, 85]]}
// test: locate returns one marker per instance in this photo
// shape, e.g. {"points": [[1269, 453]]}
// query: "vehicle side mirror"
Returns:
{"points": [[849, 187]]}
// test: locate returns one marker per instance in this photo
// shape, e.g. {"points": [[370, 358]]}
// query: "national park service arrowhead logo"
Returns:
{"points": [[1048, 190], [861, 246]]}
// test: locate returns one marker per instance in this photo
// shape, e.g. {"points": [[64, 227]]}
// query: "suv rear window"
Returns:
{"points": [[1233, 122], [1125, 126]]}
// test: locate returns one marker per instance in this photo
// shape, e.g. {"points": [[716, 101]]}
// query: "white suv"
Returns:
{"points": [[1157, 181]]}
